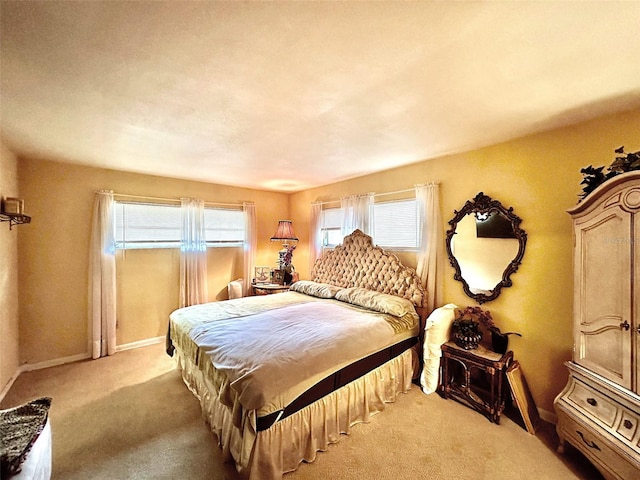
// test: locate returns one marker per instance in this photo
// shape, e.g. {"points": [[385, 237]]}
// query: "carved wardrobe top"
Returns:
{"points": [[622, 190]]}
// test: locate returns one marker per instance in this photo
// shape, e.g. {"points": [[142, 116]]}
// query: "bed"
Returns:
{"points": [[280, 377]]}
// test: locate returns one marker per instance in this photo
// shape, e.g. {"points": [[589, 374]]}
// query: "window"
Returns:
{"points": [[395, 225], [145, 225], [224, 227], [331, 227]]}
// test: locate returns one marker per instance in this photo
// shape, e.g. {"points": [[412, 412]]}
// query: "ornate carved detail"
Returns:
{"points": [[483, 204], [631, 199], [360, 263]]}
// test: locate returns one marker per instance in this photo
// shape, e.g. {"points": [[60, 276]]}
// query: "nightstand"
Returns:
{"points": [[476, 378], [268, 288]]}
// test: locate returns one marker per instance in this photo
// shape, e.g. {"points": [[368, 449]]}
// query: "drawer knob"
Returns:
{"points": [[592, 401], [628, 424], [625, 325]]}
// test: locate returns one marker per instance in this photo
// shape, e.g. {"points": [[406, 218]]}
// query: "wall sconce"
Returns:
{"points": [[12, 211]]}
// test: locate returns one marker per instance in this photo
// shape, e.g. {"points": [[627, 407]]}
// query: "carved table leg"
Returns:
{"points": [[561, 445]]}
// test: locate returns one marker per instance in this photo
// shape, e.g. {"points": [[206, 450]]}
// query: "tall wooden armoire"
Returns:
{"points": [[599, 409]]}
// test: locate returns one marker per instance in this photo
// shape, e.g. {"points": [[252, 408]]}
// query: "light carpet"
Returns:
{"points": [[130, 416]]}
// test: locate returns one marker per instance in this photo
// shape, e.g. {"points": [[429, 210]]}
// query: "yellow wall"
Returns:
{"points": [[142, 313], [9, 354], [539, 176], [54, 252]]}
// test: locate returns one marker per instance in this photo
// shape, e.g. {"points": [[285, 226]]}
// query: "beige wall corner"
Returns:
{"points": [[9, 332], [54, 253]]}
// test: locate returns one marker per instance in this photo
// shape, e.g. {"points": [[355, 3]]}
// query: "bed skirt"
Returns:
{"points": [[268, 454]]}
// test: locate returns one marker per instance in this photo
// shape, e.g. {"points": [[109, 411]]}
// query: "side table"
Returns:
{"points": [[476, 378], [268, 288]]}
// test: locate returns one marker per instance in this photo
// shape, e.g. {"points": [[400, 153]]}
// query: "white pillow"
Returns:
{"points": [[437, 331], [320, 290], [380, 302]]}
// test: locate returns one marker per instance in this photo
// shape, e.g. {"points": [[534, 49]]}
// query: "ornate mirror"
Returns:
{"points": [[485, 245]]}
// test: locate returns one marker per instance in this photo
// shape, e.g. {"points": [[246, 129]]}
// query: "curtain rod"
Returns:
{"points": [[381, 194], [174, 200]]}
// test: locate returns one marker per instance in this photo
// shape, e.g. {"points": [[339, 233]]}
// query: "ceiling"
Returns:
{"points": [[286, 96]]}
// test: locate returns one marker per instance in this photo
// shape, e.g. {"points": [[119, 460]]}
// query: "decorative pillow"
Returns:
{"points": [[19, 429], [437, 331], [380, 302], [320, 290]]}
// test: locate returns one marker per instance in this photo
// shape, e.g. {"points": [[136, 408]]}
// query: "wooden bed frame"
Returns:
{"points": [[355, 263]]}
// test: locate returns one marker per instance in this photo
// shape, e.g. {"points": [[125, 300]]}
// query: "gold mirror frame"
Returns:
{"points": [[483, 204]]}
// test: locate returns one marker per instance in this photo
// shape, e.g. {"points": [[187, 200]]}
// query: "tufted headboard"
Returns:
{"points": [[359, 263]]}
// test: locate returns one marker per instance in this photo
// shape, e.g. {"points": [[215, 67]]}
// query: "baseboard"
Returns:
{"points": [[28, 367], [548, 416], [9, 384], [140, 343]]}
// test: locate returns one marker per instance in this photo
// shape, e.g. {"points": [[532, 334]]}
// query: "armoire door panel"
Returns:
{"points": [[595, 349], [603, 274]]}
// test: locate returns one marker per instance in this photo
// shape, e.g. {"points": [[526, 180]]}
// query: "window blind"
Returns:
{"points": [[149, 225]]}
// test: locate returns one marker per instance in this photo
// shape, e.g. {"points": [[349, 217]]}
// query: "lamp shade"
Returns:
{"points": [[284, 232]]}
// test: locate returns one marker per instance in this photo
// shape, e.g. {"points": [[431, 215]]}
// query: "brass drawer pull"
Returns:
{"points": [[588, 444], [628, 424], [592, 401]]}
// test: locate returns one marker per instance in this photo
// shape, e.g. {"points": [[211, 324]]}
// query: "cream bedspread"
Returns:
{"points": [[270, 353], [183, 320], [260, 353]]}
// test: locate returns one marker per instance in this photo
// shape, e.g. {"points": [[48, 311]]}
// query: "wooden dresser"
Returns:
{"points": [[599, 409]]}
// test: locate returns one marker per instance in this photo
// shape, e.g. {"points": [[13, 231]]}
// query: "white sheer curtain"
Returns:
{"points": [[431, 254], [315, 237], [357, 214], [102, 277], [250, 246], [193, 253]]}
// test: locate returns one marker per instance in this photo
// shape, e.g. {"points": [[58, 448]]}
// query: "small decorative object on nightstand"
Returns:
{"points": [[466, 327], [475, 378], [466, 334], [262, 274], [277, 276]]}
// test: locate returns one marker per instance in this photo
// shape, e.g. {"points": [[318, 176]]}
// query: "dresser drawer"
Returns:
{"points": [[628, 425], [589, 440], [593, 403]]}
